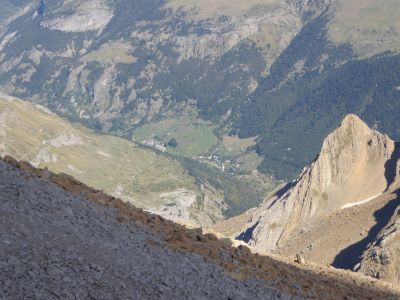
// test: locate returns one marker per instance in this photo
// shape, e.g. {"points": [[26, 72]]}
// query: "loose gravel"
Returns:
{"points": [[57, 246]]}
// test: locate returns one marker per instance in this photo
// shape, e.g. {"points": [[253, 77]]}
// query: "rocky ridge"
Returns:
{"points": [[352, 168], [42, 198]]}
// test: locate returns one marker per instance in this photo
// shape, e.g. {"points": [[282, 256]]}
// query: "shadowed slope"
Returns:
{"points": [[349, 257], [391, 166]]}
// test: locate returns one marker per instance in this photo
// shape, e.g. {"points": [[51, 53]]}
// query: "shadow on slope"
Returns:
{"points": [[391, 166], [349, 257], [247, 234]]}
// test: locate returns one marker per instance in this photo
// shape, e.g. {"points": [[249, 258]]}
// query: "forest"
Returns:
{"points": [[312, 86]]}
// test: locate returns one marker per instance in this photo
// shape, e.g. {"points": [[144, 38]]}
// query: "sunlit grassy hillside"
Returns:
{"points": [[112, 164], [371, 26]]}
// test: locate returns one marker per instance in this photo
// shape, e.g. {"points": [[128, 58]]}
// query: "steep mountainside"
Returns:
{"points": [[341, 237], [282, 73], [121, 168], [114, 64], [151, 69], [61, 239], [344, 61], [114, 165], [56, 245], [355, 166]]}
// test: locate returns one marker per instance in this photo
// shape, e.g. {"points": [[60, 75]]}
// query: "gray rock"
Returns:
{"points": [[54, 245]]}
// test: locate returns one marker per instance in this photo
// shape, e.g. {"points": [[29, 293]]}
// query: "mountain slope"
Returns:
{"points": [[341, 237], [353, 167], [64, 239], [284, 72], [371, 26], [116, 64], [175, 188], [13, 8], [344, 61], [56, 245], [117, 166]]}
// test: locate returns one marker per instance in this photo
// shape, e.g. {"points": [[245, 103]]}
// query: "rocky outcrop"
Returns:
{"points": [[354, 166], [382, 258]]}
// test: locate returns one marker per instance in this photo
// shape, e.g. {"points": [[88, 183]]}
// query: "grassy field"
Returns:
{"points": [[249, 161], [238, 154], [112, 164], [212, 8], [193, 138], [118, 52], [372, 26], [233, 146]]}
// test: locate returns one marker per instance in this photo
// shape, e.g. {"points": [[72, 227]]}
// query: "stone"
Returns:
{"points": [[325, 186], [300, 259]]}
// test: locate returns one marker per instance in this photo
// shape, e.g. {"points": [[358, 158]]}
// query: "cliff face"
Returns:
{"points": [[352, 167]]}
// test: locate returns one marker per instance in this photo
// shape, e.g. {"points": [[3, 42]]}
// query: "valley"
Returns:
{"points": [[215, 149], [189, 63], [255, 69], [141, 176]]}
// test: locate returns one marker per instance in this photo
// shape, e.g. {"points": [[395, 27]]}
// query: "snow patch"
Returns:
{"points": [[360, 202]]}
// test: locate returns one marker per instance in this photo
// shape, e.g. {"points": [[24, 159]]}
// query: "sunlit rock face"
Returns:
{"points": [[351, 167]]}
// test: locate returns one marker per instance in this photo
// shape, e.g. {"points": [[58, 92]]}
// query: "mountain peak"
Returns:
{"points": [[352, 119], [354, 124], [350, 139], [351, 167]]}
